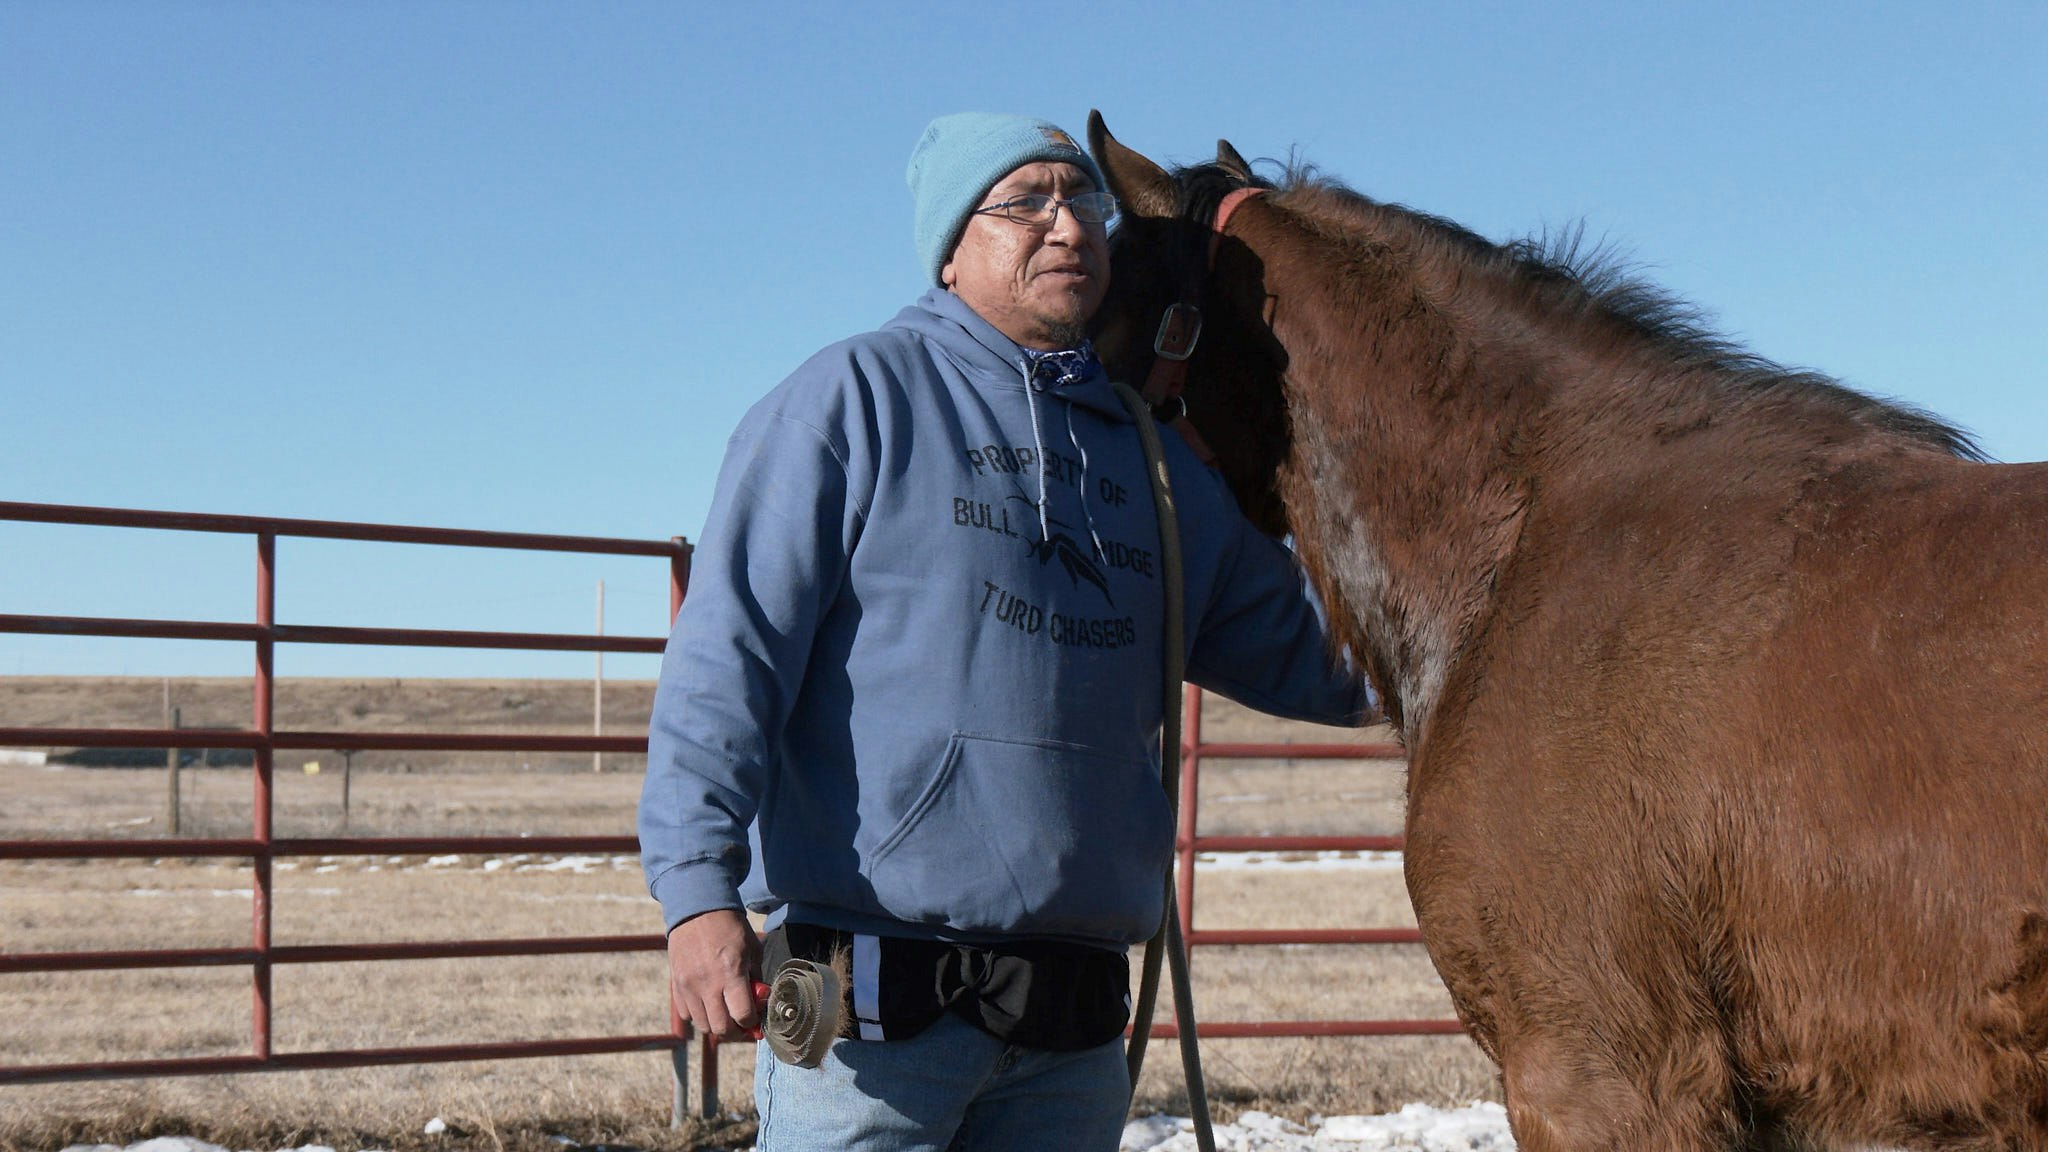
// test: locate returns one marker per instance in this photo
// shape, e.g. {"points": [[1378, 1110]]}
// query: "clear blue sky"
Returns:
{"points": [[521, 266]]}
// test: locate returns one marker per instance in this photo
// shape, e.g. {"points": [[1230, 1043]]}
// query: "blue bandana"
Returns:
{"points": [[1051, 370]]}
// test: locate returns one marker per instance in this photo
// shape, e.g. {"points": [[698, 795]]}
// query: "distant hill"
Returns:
{"points": [[327, 704], [334, 705]]}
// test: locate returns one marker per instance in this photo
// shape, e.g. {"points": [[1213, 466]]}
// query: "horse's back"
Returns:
{"points": [[1797, 783], [1892, 836], [1913, 652], [1898, 606]]}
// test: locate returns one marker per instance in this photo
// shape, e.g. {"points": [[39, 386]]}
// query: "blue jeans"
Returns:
{"points": [[950, 1088]]}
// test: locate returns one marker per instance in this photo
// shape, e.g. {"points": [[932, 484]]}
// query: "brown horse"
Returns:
{"points": [[1725, 687]]}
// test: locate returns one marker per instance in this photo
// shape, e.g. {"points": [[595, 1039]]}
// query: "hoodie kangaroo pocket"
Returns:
{"points": [[1033, 836]]}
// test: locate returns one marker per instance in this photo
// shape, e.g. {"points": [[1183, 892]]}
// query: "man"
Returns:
{"points": [[911, 705]]}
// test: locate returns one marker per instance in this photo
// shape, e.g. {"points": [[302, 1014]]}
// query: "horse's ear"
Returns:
{"points": [[1228, 160], [1143, 187]]}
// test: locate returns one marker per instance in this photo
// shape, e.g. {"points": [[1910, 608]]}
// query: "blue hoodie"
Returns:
{"points": [[915, 687]]}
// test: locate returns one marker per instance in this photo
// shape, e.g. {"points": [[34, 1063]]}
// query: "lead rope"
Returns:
{"points": [[1168, 941]]}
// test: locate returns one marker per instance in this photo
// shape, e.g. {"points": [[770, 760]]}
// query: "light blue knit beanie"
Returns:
{"points": [[960, 157]]}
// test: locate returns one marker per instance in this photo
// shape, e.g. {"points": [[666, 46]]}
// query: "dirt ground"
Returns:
{"points": [[622, 1099]]}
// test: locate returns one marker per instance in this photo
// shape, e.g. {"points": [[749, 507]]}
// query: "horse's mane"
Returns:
{"points": [[1564, 273]]}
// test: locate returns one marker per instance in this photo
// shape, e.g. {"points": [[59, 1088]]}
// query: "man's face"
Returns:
{"points": [[1038, 285]]}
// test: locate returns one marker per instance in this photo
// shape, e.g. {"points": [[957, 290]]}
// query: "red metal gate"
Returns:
{"points": [[1188, 844], [264, 741]]}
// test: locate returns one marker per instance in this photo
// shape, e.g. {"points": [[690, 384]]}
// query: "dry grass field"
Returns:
{"points": [[527, 1104]]}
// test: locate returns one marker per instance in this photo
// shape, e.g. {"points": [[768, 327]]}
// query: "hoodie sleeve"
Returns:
{"points": [[782, 523], [1258, 635]]}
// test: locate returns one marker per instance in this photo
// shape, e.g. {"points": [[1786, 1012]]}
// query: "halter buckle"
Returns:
{"points": [[1179, 329]]}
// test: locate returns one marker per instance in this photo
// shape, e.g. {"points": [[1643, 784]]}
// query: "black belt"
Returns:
{"points": [[1035, 994]]}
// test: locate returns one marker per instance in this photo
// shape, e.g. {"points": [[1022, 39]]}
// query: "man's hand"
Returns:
{"points": [[713, 960]]}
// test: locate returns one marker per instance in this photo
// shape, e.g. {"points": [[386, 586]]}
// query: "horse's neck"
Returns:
{"points": [[1432, 386], [1401, 483]]}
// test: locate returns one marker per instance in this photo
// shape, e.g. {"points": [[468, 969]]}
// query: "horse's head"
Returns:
{"points": [[1161, 256]]}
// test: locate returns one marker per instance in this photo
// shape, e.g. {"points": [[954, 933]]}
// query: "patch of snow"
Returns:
{"points": [[435, 1127], [1415, 1128], [1330, 861], [1479, 1127], [1150, 1132], [580, 865], [175, 1144]]}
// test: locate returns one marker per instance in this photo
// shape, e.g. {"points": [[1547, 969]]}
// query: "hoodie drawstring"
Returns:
{"points": [[1042, 371], [1031, 390], [1086, 511]]}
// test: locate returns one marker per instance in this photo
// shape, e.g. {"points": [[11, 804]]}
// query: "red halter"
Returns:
{"points": [[1179, 331]]}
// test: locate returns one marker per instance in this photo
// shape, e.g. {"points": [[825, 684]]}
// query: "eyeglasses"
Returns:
{"points": [[1038, 209]]}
